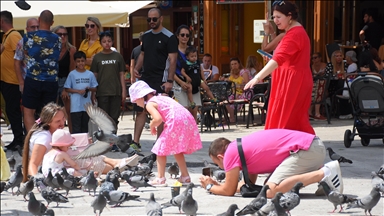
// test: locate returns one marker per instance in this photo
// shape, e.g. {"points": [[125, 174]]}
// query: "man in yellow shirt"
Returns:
{"points": [[9, 83]]}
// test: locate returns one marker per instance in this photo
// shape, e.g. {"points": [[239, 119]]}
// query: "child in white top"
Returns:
{"points": [[54, 159]]}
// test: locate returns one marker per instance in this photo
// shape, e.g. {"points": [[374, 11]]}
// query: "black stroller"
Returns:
{"points": [[367, 98]]}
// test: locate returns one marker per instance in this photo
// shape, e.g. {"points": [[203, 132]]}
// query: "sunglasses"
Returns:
{"points": [[154, 19], [87, 25], [278, 3], [182, 35], [62, 34], [315, 57]]}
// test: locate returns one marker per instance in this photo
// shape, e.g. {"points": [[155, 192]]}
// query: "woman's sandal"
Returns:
{"points": [[184, 180], [159, 182]]}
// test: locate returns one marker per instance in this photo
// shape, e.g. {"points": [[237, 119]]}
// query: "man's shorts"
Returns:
{"points": [[154, 83], [301, 162], [182, 97], [38, 93]]}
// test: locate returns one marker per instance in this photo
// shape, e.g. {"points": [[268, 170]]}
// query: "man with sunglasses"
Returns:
{"points": [[42, 50], [158, 56]]}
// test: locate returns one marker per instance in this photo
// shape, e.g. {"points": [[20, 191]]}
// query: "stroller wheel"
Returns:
{"points": [[348, 138], [365, 141]]}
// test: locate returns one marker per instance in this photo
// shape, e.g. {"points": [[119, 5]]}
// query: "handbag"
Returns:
{"points": [[248, 189], [80, 144]]}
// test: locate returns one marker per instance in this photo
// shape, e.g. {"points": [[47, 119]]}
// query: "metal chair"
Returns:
{"points": [[322, 81], [259, 101]]}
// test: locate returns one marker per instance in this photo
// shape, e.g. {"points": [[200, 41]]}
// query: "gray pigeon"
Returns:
{"points": [[99, 203], [230, 211], [144, 169], [368, 202], [116, 198], [212, 166], [377, 180], [115, 171], [58, 181], [138, 181], [115, 181], [189, 205], [107, 185], [124, 142], [291, 199], [278, 209], [15, 180], [334, 156], [176, 201], [335, 197], [25, 188], [39, 178], [173, 170], [35, 207], [49, 212], [381, 170], [48, 180], [12, 162], [219, 175], [51, 195], [153, 208], [106, 136], [266, 209], [127, 174], [148, 158], [256, 203], [2, 184], [90, 183]]}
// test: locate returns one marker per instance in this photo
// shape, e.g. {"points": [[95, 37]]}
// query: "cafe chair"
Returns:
{"points": [[321, 85], [259, 101]]}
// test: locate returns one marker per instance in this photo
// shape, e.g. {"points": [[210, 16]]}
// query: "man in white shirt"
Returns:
{"points": [[211, 72]]}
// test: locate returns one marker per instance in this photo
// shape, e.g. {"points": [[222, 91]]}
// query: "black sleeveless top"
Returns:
{"points": [[64, 65]]}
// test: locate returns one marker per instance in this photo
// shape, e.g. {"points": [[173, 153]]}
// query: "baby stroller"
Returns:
{"points": [[367, 98]]}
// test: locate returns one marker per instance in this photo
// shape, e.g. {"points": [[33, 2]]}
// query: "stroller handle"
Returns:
{"points": [[364, 74]]}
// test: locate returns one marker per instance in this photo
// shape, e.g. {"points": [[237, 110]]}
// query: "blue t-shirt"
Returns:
{"points": [[79, 81], [42, 51]]}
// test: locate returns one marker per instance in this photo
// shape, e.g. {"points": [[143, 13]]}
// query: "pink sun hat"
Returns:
{"points": [[62, 138], [139, 89]]}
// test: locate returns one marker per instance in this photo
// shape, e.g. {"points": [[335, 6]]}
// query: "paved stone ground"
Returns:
{"points": [[356, 176]]}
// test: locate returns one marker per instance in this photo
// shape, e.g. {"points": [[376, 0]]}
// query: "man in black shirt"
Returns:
{"points": [[158, 56], [372, 32]]}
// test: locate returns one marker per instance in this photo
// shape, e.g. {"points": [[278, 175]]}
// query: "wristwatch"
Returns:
{"points": [[169, 81], [208, 187]]}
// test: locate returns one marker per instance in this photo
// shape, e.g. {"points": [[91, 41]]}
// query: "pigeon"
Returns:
{"points": [[115, 171], [377, 180], [144, 169], [2, 188], [116, 198], [211, 165], [49, 212], [51, 195], [334, 156], [153, 208], [173, 170], [90, 182], [335, 197], [58, 180], [219, 175], [138, 181], [107, 185], [12, 162], [381, 170], [148, 158], [291, 199], [278, 210], [124, 141], [39, 178], [176, 201], [368, 202], [256, 203], [35, 207], [25, 188], [48, 180], [115, 181], [99, 203], [230, 211], [64, 184], [127, 174], [189, 205], [105, 137], [266, 209], [15, 179]]}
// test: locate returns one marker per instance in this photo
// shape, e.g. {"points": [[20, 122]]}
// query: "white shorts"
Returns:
{"points": [[182, 98]]}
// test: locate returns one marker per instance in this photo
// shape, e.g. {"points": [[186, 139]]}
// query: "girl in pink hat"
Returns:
{"points": [[55, 158], [180, 134]]}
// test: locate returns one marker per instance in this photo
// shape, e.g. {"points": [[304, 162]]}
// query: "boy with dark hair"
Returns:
{"points": [[79, 84]]}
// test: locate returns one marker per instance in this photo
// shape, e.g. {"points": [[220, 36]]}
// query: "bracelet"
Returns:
{"points": [[269, 34], [169, 81]]}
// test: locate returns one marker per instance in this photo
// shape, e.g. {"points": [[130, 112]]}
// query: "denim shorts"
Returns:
{"points": [[38, 93]]}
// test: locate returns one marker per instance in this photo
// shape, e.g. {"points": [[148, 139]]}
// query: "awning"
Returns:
{"points": [[75, 13]]}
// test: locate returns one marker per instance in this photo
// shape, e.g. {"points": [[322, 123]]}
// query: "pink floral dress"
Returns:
{"points": [[180, 133]]}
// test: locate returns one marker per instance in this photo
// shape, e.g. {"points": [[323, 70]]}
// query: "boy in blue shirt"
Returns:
{"points": [[79, 84]]}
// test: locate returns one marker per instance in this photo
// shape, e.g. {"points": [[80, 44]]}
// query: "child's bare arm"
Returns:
{"points": [[202, 74], [70, 161]]}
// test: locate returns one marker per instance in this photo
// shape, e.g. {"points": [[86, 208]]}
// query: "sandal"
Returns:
{"points": [[185, 180], [192, 105], [159, 182]]}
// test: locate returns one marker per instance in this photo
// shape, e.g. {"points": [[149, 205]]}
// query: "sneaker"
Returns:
{"points": [[334, 180], [159, 182], [136, 146]]}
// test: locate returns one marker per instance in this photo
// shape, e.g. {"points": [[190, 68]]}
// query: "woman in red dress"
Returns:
{"points": [[290, 96]]}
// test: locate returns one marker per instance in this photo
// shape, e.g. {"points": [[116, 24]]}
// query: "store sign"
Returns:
{"points": [[238, 1], [258, 31], [201, 27]]}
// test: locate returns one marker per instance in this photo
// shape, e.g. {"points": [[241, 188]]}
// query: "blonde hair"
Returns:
{"points": [[57, 28], [333, 61], [97, 23], [47, 114]]}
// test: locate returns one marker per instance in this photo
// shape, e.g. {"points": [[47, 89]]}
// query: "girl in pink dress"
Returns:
{"points": [[180, 135]]}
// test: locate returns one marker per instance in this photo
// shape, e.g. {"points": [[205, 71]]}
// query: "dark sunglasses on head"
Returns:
{"points": [[278, 3], [154, 19], [92, 25], [62, 34], [182, 35]]}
